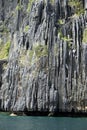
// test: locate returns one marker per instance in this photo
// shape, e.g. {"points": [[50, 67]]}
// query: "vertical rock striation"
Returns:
{"points": [[47, 61]]}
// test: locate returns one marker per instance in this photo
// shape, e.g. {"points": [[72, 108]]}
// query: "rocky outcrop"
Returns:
{"points": [[47, 62]]}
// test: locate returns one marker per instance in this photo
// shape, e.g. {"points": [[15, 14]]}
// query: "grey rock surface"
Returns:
{"points": [[44, 72]]}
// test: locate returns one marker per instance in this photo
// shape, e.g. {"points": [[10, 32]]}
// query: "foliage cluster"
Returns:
{"points": [[29, 5], [34, 54], [38, 51], [61, 21], [64, 38], [77, 6], [26, 28], [4, 50], [19, 6]]}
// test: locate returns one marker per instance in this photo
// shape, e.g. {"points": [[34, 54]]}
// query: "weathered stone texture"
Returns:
{"points": [[56, 81]]}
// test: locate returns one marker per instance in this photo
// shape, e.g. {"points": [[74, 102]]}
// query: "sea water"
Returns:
{"points": [[41, 123]]}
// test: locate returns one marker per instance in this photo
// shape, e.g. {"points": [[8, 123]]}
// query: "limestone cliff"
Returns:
{"points": [[44, 43]]}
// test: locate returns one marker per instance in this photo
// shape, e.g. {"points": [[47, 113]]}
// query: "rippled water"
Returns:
{"points": [[41, 123]]}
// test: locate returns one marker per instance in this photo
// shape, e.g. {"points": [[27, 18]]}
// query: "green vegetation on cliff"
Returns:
{"points": [[19, 7], [85, 35], [29, 5], [34, 54], [26, 28], [4, 50], [52, 1], [77, 6], [37, 52]]}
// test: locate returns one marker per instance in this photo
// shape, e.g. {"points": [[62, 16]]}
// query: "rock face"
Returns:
{"points": [[47, 61]]}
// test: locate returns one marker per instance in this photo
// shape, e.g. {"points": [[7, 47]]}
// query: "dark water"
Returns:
{"points": [[41, 123]]}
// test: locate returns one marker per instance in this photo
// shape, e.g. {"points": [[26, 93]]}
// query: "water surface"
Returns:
{"points": [[41, 123]]}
